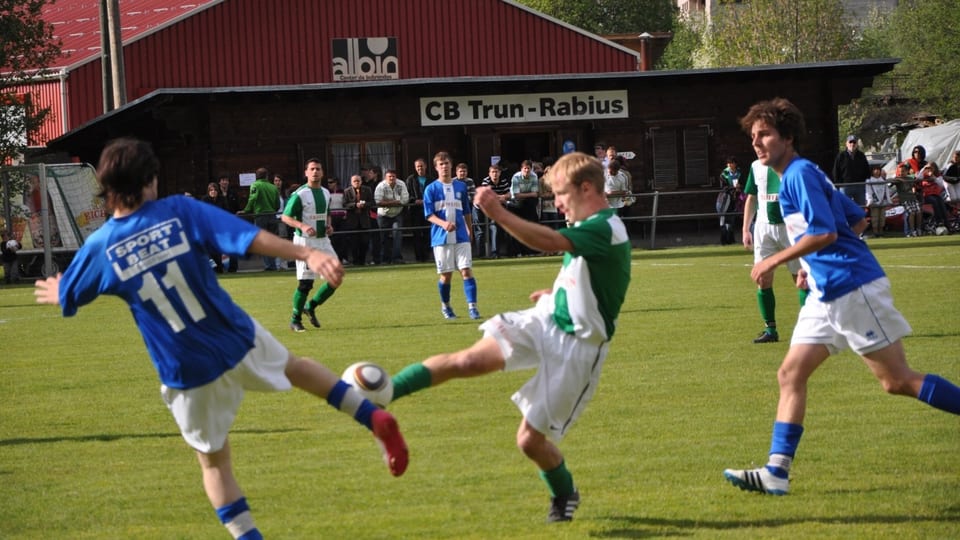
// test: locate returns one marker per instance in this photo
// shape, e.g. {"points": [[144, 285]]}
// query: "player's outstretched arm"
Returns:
{"points": [[532, 234], [271, 245], [47, 291]]}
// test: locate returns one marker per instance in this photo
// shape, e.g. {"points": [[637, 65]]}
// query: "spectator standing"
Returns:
{"points": [[282, 230], [211, 197], [951, 178], [372, 176], [851, 167], [933, 191], [229, 201], [616, 186], [357, 199], [338, 218], [565, 337], [879, 198], [447, 207], [850, 302], [731, 187], [207, 351], [906, 187], [462, 173], [263, 202], [416, 185], [768, 236], [391, 197], [308, 214], [498, 237], [524, 198], [549, 215], [10, 246]]}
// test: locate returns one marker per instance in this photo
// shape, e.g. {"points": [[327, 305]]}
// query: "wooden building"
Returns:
{"points": [[227, 86], [680, 126]]}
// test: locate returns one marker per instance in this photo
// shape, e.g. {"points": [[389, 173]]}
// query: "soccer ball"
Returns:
{"points": [[12, 245], [370, 381]]}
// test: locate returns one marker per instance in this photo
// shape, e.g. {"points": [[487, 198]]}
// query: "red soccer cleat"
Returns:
{"points": [[391, 442]]}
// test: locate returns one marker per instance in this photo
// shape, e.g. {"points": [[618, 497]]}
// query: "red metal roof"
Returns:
{"points": [[243, 43], [77, 23]]}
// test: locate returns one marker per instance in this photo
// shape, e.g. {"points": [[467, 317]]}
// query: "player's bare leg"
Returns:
{"points": [[224, 493], [481, 358], [564, 497]]}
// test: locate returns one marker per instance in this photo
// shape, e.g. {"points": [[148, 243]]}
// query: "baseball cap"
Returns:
{"points": [[851, 138]]}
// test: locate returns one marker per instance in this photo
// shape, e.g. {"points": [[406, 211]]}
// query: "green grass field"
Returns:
{"points": [[87, 449]]}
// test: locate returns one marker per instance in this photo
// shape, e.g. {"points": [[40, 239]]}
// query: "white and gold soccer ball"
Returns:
{"points": [[370, 381]]}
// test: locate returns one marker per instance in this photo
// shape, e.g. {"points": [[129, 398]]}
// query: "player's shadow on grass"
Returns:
{"points": [[106, 437], [637, 527]]}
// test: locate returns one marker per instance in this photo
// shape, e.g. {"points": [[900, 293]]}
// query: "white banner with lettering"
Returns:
{"points": [[508, 108]]}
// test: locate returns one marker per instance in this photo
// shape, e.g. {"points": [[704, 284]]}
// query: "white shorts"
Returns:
{"points": [[319, 244], [450, 257], [864, 320], [769, 239], [568, 369], [205, 414]]}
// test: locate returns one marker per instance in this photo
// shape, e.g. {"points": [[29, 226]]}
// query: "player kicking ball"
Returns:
{"points": [[849, 305], [565, 337], [207, 351]]}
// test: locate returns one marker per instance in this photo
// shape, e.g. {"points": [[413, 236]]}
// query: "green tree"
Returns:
{"points": [[926, 38], [27, 47], [610, 16], [687, 40], [779, 32]]}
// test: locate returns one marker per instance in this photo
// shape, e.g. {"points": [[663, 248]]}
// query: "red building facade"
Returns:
{"points": [[247, 43]]}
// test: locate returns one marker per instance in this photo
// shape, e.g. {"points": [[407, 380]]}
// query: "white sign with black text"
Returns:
{"points": [[507, 108]]}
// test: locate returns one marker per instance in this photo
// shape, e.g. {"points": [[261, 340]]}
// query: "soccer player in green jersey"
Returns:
{"points": [[768, 236], [565, 336], [308, 213]]}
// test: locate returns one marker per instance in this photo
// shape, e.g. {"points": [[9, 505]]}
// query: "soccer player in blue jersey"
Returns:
{"points": [[565, 337], [207, 351], [447, 206], [849, 305]]}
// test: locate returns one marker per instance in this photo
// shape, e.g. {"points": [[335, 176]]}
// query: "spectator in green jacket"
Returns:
{"points": [[263, 203]]}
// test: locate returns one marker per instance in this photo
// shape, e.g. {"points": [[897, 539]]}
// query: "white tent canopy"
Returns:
{"points": [[939, 142]]}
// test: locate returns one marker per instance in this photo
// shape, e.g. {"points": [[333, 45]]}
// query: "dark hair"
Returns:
{"points": [[262, 173], [732, 159], [921, 149], [779, 113], [126, 166], [312, 160]]}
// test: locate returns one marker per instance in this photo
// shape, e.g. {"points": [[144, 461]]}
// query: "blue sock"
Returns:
{"points": [[470, 290], [344, 398], [236, 518], [940, 393], [444, 292], [783, 446]]}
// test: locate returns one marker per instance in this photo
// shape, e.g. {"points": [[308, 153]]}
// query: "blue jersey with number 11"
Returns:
{"points": [[156, 260]]}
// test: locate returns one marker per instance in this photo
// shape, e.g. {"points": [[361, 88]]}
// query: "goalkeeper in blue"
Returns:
{"points": [[849, 306], [207, 351], [565, 337]]}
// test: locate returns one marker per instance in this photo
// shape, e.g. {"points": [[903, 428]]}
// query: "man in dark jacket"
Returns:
{"points": [[851, 167]]}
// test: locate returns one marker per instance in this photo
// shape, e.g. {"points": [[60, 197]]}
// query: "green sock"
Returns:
{"points": [[298, 300], [802, 294], [411, 379], [323, 293], [768, 306], [559, 481]]}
